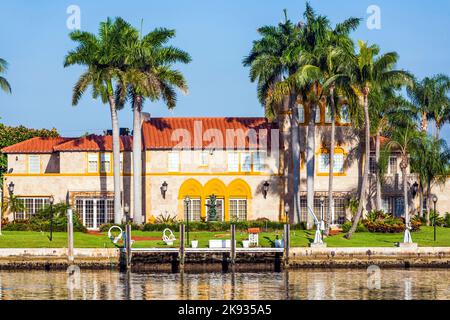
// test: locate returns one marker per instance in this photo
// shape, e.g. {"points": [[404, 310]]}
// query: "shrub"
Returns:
{"points": [[41, 221], [107, 226], [447, 220], [440, 221], [389, 224], [348, 225]]}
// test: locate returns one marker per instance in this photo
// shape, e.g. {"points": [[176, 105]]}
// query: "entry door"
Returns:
{"points": [[95, 212]]}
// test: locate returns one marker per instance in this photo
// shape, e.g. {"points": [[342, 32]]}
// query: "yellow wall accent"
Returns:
{"points": [[238, 189]]}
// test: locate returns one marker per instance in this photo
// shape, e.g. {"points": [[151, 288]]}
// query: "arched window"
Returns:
{"points": [[345, 114], [301, 113]]}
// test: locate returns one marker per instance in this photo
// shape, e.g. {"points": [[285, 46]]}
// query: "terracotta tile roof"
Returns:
{"points": [[94, 143], [164, 133], [36, 145]]}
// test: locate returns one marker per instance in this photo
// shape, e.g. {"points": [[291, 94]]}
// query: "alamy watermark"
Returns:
{"points": [[374, 18], [73, 22], [374, 277]]}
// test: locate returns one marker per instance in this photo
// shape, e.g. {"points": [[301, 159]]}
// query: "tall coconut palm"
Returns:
{"points": [[4, 84], [98, 54], [404, 138], [268, 67], [386, 109], [430, 98], [367, 70], [430, 161], [148, 74], [316, 52]]}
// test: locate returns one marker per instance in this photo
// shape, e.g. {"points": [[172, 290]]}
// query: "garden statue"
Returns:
{"points": [[212, 208], [168, 239]]}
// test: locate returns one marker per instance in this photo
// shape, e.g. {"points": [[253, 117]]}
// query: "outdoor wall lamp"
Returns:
{"points": [[164, 188], [11, 188], [414, 189], [265, 190]]}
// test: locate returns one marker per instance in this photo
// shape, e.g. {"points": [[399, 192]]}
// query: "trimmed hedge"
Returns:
{"points": [[211, 226]]}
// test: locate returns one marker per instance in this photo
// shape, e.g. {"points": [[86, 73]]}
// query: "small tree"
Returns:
{"points": [[13, 205]]}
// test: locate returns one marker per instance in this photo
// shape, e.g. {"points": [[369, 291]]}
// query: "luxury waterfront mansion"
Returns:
{"points": [[236, 159]]}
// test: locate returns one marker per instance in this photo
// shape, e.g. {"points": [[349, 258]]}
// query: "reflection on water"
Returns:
{"points": [[299, 284]]}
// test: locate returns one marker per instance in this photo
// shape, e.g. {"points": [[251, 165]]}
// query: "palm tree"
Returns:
{"points": [[404, 138], [367, 70], [268, 66], [13, 204], [4, 84], [148, 73], [316, 73], [98, 54], [430, 161], [430, 99], [386, 109]]}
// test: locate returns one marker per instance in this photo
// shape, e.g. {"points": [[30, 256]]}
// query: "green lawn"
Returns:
{"points": [[298, 239]]}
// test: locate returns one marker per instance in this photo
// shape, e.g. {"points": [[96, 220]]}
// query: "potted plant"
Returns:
{"points": [[194, 243]]}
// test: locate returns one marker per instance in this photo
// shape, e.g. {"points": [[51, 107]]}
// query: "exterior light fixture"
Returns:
{"points": [[187, 202], [164, 188], [265, 190], [287, 210], [51, 200], [435, 200], [11, 188], [414, 189]]}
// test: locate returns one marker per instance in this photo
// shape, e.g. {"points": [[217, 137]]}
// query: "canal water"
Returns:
{"points": [[362, 284]]}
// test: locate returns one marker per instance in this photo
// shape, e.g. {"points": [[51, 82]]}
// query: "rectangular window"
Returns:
{"points": [[94, 212], [338, 165], [259, 161], [345, 114], [238, 209], [301, 113], [233, 162], [204, 158], [174, 161], [318, 115], [393, 165], [324, 162], [194, 210], [92, 163], [328, 114], [246, 162], [373, 165], [31, 207], [399, 207], [105, 162], [34, 163]]}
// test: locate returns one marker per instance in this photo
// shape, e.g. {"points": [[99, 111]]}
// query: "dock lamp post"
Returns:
{"points": [[435, 200], [187, 202], [287, 210], [51, 201]]}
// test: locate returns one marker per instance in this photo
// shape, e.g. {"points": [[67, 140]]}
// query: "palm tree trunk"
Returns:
{"points": [[331, 218], [116, 161], [378, 203], [424, 122], [295, 142], [420, 199], [366, 167], [405, 192], [137, 161], [310, 161], [428, 202], [285, 158]]}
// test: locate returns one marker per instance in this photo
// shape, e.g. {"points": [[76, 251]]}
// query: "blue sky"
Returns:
{"points": [[218, 34]]}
